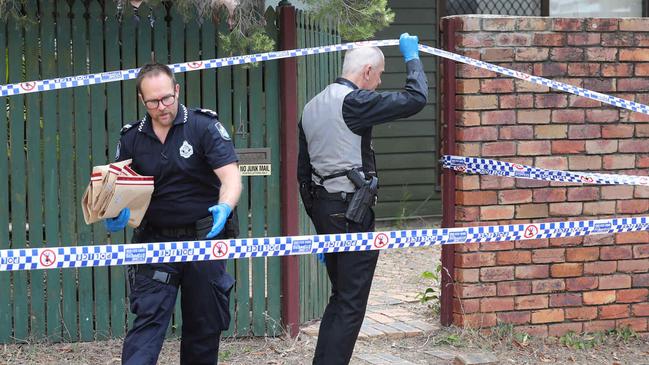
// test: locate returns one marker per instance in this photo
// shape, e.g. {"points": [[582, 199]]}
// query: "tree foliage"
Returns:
{"points": [[11, 8], [357, 19], [247, 29]]}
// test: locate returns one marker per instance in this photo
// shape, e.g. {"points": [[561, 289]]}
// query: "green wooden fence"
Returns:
{"points": [[54, 138], [314, 74]]}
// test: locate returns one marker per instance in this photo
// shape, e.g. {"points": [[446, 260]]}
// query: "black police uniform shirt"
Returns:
{"points": [[362, 109], [183, 167]]}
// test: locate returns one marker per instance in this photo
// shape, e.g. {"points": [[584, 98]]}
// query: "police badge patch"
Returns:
{"points": [[222, 131], [186, 150]]}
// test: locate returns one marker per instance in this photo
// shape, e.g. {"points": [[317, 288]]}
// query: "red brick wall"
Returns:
{"points": [[549, 287]]}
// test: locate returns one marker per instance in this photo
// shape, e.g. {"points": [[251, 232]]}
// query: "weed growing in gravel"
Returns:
{"points": [[582, 341], [587, 341], [402, 219], [624, 334], [431, 294]]}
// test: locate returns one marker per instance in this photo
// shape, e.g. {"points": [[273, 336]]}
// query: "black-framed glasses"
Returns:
{"points": [[165, 100]]}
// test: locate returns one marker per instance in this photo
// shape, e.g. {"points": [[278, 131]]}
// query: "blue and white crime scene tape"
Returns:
{"points": [[141, 253], [147, 253], [485, 166], [110, 76]]}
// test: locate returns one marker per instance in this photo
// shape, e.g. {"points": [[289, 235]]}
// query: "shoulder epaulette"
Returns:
{"points": [[128, 127], [208, 112], [125, 128]]}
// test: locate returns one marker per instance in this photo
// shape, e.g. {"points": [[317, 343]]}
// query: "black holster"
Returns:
{"points": [[364, 197], [230, 230], [232, 225], [306, 192]]}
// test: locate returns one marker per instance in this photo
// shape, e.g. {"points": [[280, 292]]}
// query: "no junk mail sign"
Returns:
{"points": [[254, 161]]}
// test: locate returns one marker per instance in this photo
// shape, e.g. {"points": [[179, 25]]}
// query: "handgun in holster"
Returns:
{"points": [[364, 197]]}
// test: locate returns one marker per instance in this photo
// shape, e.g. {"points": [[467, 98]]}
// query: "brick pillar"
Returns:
{"points": [[551, 286]]}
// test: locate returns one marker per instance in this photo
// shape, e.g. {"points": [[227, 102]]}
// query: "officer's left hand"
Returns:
{"points": [[409, 46], [220, 213], [118, 223]]}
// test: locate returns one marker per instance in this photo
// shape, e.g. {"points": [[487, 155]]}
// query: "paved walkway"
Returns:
{"points": [[394, 289], [385, 318], [397, 280], [392, 312]]}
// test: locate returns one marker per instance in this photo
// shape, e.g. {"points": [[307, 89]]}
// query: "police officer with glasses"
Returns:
{"points": [[338, 179], [197, 185]]}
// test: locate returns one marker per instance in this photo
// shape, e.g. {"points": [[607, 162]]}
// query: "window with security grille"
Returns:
{"points": [[601, 8], [496, 7]]}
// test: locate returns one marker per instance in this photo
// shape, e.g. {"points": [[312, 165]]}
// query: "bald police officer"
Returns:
{"points": [[197, 185], [335, 146]]}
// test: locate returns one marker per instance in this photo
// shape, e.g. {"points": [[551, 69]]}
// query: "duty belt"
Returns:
{"points": [[321, 193], [188, 230]]}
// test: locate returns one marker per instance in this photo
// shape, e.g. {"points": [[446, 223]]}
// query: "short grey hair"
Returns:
{"points": [[357, 58]]}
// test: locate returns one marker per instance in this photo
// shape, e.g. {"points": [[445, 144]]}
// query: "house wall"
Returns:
{"points": [[406, 150]]}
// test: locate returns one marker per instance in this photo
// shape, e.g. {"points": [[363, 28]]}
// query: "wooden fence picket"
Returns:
{"points": [[54, 138]]}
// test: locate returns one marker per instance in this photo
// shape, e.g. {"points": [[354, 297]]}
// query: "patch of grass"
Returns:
{"points": [[587, 341], [503, 331], [522, 338], [583, 341], [451, 339], [225, 355], [623, 334]]}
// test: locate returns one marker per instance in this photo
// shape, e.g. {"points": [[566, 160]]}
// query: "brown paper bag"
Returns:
{"points": [[96, 182], [92, 192], [86, 205], [113, 170], [114, 187], [133, 192]]}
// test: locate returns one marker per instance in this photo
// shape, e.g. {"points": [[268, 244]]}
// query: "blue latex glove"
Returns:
{"points": [[118, 223], [321, 257], [409, 46], [220, 213]]}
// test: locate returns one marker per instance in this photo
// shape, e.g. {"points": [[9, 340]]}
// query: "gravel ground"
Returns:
{"points": [[417, 350], [399, 271]]}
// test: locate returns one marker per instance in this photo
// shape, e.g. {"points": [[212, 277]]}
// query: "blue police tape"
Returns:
{"points": [[110, 76], [485, 166], [594, 95], [125, 254], [123, 75], [140, 253]]}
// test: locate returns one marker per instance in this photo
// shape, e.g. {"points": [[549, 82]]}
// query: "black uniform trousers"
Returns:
{"points": [[351, 276], [205, 287]]}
